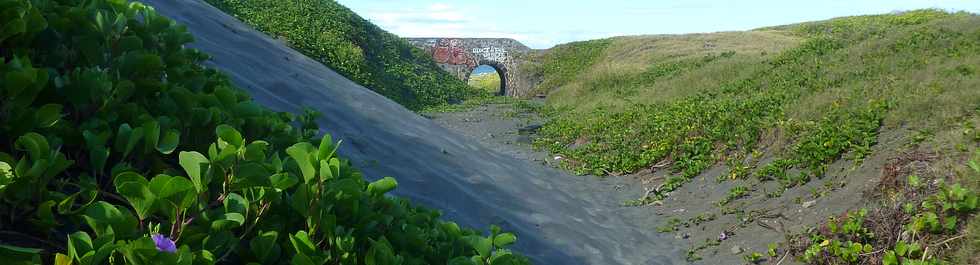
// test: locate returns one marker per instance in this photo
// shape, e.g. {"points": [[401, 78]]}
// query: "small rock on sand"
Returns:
{"points": [[736, 250]]}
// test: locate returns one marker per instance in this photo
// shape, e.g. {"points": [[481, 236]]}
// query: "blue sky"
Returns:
{"points": [[544, 23]]}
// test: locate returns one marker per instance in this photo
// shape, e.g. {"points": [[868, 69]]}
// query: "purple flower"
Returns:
{"points": [[164, 244], [723, 236]]}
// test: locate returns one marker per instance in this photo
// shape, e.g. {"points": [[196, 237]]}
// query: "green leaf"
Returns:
{"points": [[326, 149], [226, 96], [302, 244], [12, 28], [134, 139], [235, 203], [135, 189], [230, 135], [250, 174], [264, 246], [219, 242], [97, 152], [45, 215], [300, 152], [255, 151], [381, 253], [35, 145], [169, 142], [14, 255], [177, 190], [196, 166], [325, 172], [151, 133], [950, 223], [283, 181], [335, 167], [300, 200], [79, 243], [382, 186], [461, 261], [37, 168], [504, 258], [61, 259], [127, 138], [302, 259], [70, 206], [57, 165], [504, 240], [105, 218], [247, 109], [6, 175], [482, 245], [890, 258], [204, 257], [130, 43], [228, 221], [914, 181], [901, 248], [48, 115], [932, 221]]}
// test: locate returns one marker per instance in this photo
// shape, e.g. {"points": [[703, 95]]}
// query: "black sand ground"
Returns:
{"points": [[560, 219]]}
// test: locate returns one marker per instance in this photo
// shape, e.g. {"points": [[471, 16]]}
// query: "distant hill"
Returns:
{"points": [[486, 81]]}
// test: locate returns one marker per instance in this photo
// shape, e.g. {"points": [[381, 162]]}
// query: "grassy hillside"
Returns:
{"points": [[489, 82], [773, 105], [340, 39], [119, 147]]}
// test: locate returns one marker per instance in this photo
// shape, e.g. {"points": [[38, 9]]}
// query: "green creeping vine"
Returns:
{"points": [[848, 240], [726, 123], [565, 62], [119, 147]]}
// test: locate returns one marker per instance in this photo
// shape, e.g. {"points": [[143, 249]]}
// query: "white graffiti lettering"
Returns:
{"points": [[491, 53]]}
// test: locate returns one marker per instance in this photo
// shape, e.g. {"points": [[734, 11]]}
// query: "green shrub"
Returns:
{"points": [[120, 147], [561, 64], [340, 39]]}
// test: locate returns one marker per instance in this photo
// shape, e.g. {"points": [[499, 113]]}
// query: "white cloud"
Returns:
{"points": [[443, 20], [439, 7]]}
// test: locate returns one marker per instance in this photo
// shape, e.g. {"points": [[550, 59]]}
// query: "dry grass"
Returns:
{"points": [[627, 57]]}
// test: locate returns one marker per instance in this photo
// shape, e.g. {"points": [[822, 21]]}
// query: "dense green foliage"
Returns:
{"points": [[117, 143], [561, 64], [810, 104], [921, 224], [340, 39]]}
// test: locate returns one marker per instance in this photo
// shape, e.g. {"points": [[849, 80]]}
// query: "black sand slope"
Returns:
{"points": [[559, 219]]}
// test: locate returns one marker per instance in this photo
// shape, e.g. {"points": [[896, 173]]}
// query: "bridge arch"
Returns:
{"points": [[501, 70], [460, 56]]}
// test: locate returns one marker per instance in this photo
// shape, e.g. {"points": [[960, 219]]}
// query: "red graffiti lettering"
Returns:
{"points": [[451, 51]]}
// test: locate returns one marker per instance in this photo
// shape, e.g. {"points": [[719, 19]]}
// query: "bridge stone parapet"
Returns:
{"points": [[459, 56]]}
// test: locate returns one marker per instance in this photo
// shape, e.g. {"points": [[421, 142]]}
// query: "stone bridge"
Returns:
{"points": [[459, 56]]}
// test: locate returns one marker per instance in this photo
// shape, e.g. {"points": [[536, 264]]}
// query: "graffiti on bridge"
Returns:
{"points": [[491, 53], [451, 51]]}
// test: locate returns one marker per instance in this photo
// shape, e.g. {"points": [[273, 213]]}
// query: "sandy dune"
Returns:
{"points": [[559, 219]]}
